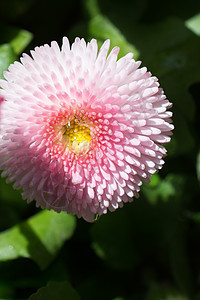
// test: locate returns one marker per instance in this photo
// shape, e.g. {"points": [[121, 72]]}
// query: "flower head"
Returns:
{"points": [[81, 130], [1, 101]]}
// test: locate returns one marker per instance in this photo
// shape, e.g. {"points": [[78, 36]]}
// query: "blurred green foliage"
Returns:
{"points": [[56, 290], [150, 248]]}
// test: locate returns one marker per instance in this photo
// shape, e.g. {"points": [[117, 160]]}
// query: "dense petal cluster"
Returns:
{"points": [[1, 101], [81, 130]]}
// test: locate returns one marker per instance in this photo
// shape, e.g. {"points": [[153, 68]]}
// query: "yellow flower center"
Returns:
{"points": [[77, 136]]}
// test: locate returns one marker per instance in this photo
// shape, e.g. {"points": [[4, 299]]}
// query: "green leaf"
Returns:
{"points": [[173, 187], [21, 41], [7, 56], [194, 24], [13, 42], [56, 290], [101, 28], [38, 238], [154, 180], [17, 38], [159, 189], [92, 7]]}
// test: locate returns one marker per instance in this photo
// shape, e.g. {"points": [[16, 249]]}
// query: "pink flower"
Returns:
{"points": [[1, 101], [81, 130]]}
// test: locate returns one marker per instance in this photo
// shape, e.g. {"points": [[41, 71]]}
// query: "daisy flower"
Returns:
{"points": [[80, 130]]}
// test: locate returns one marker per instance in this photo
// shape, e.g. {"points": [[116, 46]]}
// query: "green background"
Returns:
{"points": [[150, 249]]}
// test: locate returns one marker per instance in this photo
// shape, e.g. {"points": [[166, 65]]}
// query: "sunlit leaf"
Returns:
{"points": [[154, 180], [7, 56], [38, 238], [13, 42], [194, 24], [21, 41], [17, 38]]}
